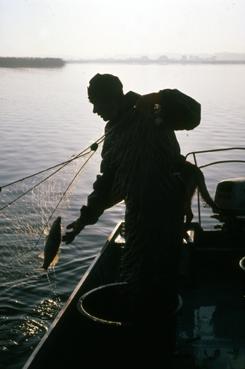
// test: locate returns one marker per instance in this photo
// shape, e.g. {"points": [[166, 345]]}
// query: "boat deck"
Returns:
{"points": [[210, 324]]}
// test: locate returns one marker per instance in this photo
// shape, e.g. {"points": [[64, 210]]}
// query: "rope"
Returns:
{"points": [[92, 148], [64, 193]]}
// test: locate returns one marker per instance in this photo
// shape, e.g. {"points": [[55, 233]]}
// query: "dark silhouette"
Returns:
{"points": [[52, 244], [194, 179], [140, 158]]}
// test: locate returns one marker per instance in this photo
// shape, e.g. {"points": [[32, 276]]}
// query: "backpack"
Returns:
{"points": [[179, 111]]}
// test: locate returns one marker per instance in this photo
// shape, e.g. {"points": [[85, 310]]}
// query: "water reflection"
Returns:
{"points": [[48, 126]]}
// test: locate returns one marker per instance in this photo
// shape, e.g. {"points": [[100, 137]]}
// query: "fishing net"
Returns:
{"points": [[29, 298], [29, 206]]}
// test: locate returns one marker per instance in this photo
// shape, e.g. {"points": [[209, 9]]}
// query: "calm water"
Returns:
{"points": [[45, 118]]}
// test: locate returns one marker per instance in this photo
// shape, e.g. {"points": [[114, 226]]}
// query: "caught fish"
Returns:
{"points": [[52, 244]]}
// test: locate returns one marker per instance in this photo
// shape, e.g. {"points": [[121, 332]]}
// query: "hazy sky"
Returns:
{"points": [[103, 28]]}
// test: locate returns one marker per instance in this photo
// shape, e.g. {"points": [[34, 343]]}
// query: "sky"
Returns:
{"points": [[125, 28]]}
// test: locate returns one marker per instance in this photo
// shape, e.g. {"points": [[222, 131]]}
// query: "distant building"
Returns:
{"points": [[163, 58]]}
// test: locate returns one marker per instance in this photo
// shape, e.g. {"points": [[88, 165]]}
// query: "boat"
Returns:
{"points": [[206, 328]]}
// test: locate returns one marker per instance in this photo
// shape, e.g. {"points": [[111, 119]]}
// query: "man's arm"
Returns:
{"points": [[102, 198]]}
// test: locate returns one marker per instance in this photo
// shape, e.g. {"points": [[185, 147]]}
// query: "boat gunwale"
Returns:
{"points": [[70, 299]]}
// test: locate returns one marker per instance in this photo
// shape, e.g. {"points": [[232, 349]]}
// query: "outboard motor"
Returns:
{"points": [[230, 198]]}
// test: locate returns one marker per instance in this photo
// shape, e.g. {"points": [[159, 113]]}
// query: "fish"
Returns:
{"points": [[52, 244]]}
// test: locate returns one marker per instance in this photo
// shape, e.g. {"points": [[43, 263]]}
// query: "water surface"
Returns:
{"points": [[45, 118]]}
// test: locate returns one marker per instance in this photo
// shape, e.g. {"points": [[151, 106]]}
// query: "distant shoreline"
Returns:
{"points": [[153, 61], [32, 62], [15, 62]]}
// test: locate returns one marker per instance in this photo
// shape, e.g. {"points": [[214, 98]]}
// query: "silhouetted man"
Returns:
{"points": [[139, 160]]}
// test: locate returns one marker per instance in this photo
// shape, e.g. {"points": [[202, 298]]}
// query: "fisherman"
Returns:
{"points": [[139, 160]]}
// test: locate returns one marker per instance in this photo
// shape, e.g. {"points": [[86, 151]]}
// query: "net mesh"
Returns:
{"points": [[28, 207]]}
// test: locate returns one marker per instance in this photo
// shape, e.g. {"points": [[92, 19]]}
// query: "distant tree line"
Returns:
{"points": [[15, 62], [160, 60]]}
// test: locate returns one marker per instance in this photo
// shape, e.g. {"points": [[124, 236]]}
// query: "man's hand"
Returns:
{"points": [[76, 227]]}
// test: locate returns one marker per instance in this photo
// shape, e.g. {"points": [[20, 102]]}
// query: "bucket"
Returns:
{"points": [[106, 304], [242, 264], [107, 308], [242, 272], [109, 305]]}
